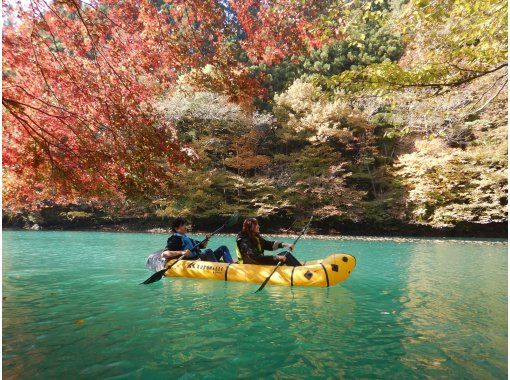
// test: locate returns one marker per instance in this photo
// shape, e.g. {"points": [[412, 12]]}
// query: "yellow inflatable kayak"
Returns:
{"points": [[327, 272]]}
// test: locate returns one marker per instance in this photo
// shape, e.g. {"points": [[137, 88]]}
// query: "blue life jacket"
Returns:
{"points": [[188, 243]]}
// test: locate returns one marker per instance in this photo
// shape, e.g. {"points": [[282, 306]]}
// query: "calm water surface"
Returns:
{"points": [[73, 308]]}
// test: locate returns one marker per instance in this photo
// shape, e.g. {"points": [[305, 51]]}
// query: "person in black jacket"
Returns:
{"points": [[179, 244], [251, 247]]}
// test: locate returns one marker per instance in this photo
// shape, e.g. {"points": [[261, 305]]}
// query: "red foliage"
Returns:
{"points": [[80, 78], [276, 30], [77, 87]]}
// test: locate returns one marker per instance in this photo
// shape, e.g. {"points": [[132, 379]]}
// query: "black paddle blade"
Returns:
{"points": [[263, 284], [155, 277], [268, 277], [233, 220]]}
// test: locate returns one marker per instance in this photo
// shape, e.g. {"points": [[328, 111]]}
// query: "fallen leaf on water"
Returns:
{"points": [[79, 321]]}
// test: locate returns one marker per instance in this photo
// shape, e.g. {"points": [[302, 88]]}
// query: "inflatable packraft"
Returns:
{"points": [[321, 273]]}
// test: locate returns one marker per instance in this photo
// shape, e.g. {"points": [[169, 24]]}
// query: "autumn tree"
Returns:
{"points": [[357, 43], [77, 120], [80, 81], [449, 44], [453, 70], [451, 185]]}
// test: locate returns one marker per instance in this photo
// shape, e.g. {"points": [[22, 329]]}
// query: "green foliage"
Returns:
{"points": [[449, 43], [313, 161], [202, 193], [378, 46], [386, 210], [365, 41]]}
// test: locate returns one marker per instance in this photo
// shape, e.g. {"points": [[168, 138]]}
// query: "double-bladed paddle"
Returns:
{"points": [[303, 231], [159, 275]]}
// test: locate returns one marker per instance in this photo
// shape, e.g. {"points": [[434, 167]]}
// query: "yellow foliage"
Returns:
{"points": [[451, 185]]}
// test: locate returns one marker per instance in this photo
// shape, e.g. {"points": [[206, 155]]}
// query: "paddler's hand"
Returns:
{"points": [[280, 258], [206, 240], [186, 253], [289, 246]]}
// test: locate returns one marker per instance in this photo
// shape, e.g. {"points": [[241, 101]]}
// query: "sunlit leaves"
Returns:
{"points": [[80, 80], [449, 43], [451, 185]]}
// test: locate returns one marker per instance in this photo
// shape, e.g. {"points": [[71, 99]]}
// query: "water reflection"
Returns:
{"points": [[454, 302]]}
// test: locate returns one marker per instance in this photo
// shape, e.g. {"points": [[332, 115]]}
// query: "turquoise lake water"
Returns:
{"points": [[412, 308]]}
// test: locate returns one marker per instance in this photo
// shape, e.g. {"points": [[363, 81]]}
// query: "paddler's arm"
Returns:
{"points": [[272, 245], [174, 254], [174, 248]]}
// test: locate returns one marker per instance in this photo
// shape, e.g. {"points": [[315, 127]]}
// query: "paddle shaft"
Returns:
{"points": [[303, 230], [295, 241]]}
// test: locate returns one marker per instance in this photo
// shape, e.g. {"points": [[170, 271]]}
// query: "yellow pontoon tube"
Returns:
{"points": [[327, 272]]}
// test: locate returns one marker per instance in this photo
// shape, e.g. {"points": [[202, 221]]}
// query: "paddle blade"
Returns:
{"points": [[263, 284], [268, 277], [233, 220], [155, 277]]}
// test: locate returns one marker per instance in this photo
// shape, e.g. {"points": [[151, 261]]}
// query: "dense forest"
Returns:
{"points": [[377, 116]]}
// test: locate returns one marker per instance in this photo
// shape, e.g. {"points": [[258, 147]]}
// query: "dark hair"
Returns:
{"points": [[178, 222], [249, 228]]}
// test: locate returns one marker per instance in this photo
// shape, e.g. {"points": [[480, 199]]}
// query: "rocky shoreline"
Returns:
{"points": [[275, 226]]}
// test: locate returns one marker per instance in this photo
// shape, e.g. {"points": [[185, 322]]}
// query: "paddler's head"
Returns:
{"points": [[180, 225], [251, 227]]}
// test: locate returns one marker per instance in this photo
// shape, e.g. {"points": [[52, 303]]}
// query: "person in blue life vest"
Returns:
{"points": [[179, 244]]}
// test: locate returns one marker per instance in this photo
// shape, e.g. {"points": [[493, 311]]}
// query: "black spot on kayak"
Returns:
{"points": [[334, 267], [308, 275], [345, 259]]}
